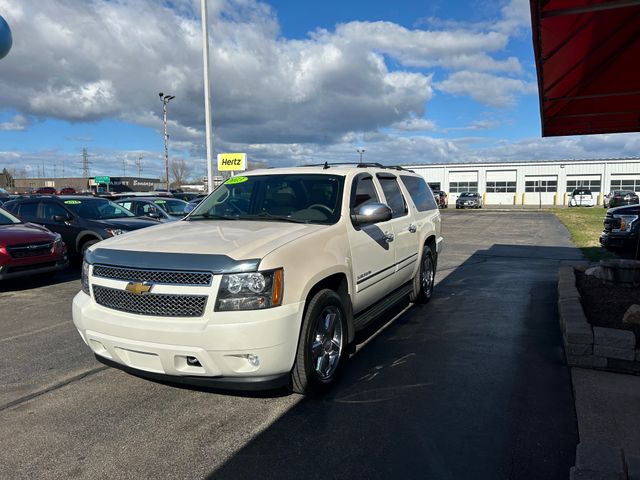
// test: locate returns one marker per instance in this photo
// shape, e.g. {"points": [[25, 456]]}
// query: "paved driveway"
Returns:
{"points": [[472, 385]]}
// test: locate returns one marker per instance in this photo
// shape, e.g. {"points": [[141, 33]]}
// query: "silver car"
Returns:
{"points": [[165, 209]]}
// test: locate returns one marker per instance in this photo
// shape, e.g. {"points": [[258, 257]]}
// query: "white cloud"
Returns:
{"points": [[486, 88], [17, 123], [415, 125]]}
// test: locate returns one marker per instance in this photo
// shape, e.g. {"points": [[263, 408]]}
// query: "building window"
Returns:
{"points": [[626, 184], [435, 187], [541, 186], [501, 187], [593, 185], [459, 187]]}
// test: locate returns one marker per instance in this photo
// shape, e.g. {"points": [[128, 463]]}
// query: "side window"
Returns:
{"points": [[51, 209], [393, 194], [363, 191], [28, 210], [420, 193], [126, 205]]}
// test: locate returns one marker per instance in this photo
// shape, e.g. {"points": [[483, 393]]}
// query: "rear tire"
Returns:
{"points": [[424, 280], [322, 347]]}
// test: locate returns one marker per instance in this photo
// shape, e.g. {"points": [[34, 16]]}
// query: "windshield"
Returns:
{"points": [[582, 192], [172, 206], [7, 219], [304, 198], [466, 194], [96, 208]]}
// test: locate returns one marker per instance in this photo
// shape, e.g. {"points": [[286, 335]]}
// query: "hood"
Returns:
{"points": [[132, 223], [238, 239], [626, 210], [24, 233]]}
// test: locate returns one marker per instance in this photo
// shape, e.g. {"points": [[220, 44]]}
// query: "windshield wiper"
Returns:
{"points": [[269, 216], [209, 216]]}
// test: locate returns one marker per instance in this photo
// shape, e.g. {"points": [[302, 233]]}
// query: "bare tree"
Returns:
{"points": [[179, 170]]}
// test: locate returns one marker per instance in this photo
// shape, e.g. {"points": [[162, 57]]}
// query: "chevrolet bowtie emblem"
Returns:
{"points": [[138, 288]]}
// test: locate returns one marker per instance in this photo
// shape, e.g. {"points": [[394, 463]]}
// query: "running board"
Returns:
{"points": [[361, 320]]}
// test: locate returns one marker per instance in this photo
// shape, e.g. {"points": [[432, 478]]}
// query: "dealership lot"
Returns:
{"points": [[472, 385]]}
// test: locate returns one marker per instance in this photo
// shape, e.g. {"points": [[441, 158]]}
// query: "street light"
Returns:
{"points": [[166, 99], [360, 151]]}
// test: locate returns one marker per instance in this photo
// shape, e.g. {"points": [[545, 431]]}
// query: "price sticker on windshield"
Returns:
{"points": [[72, 202], [159, 201], [234, 180]]}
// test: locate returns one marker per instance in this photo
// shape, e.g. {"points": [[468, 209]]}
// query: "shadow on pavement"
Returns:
{"points": [[472, 385], [72, 272]]}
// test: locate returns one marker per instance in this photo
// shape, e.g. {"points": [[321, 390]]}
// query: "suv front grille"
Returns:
{"points": [[161, 305], [30, 250], [167, 277]]}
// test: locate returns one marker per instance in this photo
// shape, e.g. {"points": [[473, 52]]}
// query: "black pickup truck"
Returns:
{"points": [[621, 227]]}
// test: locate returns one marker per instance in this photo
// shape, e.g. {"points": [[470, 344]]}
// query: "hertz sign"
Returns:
{"points": [[232, 161]]}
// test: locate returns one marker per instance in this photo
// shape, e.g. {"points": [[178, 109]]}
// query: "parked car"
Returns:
{"points": [[82, 221], [620, 197], [441, 199], [67, 191], [45, 191], [267, 281], [581, 197], [188, 196], [621, 227], [193, 204], [469, 200], [162, 208], [28, 249]]}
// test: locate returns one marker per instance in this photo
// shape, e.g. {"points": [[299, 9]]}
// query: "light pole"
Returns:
{"points": [[166, 99], [360, 151], [207, 93]]}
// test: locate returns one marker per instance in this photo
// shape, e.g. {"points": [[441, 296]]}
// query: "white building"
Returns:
{"points": [[546, 182]]}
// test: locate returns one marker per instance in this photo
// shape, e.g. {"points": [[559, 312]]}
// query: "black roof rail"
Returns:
{"points": [[326, 165]]}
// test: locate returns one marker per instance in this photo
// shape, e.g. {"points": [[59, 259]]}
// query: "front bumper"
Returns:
{"points": [[618, 240], [159, 347], [25, 269]]}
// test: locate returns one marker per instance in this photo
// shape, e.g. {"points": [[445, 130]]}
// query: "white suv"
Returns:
{"points": [[266, 282]]}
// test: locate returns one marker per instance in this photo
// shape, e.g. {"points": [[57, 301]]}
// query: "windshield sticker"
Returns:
{"points": [[159, 201], [72, 202], [234, 180]]}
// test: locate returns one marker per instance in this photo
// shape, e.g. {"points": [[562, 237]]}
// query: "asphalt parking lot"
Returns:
{"points": [[472, 385]]}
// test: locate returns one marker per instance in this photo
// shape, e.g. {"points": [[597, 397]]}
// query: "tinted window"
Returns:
{"points": [[51, 209], [96, 209], [420, 193], [393, 195], [7, 219], [28, 210], [363, 191]]}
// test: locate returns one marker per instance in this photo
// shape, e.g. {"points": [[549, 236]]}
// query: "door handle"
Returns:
{"points": [[388, 237], [413, 228]]}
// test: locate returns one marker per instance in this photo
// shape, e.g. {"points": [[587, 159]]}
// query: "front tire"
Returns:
{"points": [[322, 347], [424, 280]]}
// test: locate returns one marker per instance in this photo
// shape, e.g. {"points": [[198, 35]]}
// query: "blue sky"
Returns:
{"points": [[442, 81]]}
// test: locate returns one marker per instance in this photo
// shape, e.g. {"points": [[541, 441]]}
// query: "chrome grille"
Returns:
{"points": [[30, 250], [167, 277], [161, 305]]}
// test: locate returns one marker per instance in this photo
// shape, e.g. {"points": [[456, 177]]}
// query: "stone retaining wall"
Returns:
{"points": [[592, 347]]}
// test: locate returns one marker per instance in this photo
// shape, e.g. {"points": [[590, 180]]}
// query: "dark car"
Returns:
{"points": [[188, 196], [621, 227], [27, 249], [162, 208], [82, 221], [45, 191], [618, 198], [469, 200]]}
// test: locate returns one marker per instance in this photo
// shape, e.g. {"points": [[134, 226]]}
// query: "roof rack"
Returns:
{"points": [[326, 165]]}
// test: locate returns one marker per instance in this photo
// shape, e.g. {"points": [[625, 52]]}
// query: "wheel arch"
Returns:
{"points": [[84, 237]]}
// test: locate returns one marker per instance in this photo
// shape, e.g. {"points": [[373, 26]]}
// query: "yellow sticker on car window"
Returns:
{"points": [[159, 201], [72, 202], [234, 180]]}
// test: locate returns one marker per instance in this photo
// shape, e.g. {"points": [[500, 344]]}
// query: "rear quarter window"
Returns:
{"points": [[420, 193]]}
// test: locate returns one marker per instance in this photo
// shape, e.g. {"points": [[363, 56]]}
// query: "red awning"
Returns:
{"points": [[588, 61]]}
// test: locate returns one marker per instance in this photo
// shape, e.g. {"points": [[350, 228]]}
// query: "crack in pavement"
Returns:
{"points": [[52, 388]]}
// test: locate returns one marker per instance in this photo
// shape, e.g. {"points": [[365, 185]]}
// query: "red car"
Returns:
{"points": [[67, 191], [28, 249], [45, 191]]}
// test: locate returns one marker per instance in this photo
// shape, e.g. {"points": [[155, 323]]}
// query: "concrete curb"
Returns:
{"points": [[601, 348]]}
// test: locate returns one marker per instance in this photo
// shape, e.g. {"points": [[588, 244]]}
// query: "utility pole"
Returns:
{"points": [[124, 166], [360, 151], [85, 163], [139, 165], [63, 168], [166, 99], [207, 94]]}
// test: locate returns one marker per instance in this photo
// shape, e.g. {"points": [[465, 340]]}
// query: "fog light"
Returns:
{"points": [[193, 362], [253, 360]]}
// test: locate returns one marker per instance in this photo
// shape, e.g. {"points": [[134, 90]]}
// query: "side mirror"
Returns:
{"points": [[371, 213], [62, 218]]}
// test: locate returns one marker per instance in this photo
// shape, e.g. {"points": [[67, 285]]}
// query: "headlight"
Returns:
{"points": [[85, 277], [112, 232], [626, 222], [250, 291]]}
